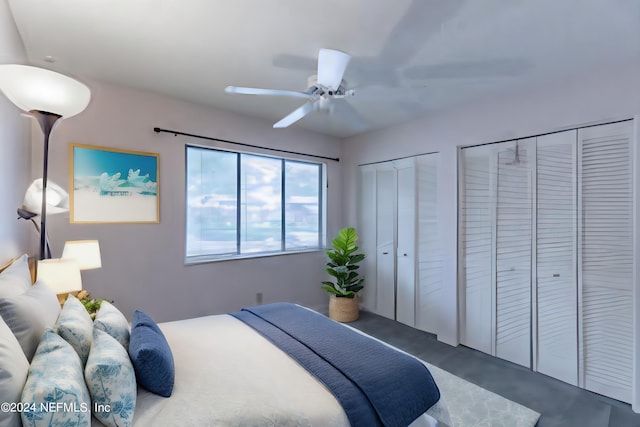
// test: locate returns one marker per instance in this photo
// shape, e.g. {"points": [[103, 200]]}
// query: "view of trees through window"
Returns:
{"points": [[241, 204]]}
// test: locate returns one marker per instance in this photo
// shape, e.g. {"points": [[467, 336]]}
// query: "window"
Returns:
{"points": [[241, 205]]}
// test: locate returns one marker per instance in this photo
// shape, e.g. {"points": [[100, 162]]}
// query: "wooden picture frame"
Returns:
{"points": [[111, 185]]}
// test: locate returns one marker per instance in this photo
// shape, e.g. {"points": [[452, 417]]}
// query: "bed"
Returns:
{"points": [[227, 372]]}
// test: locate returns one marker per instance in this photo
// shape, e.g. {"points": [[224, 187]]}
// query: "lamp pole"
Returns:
{"points": [[47, 121]]}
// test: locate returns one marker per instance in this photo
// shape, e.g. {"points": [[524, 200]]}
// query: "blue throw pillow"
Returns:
{"points": [[151, 355]]}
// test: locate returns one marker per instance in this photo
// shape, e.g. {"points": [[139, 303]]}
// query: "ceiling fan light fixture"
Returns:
{"points": [[331, 67]]}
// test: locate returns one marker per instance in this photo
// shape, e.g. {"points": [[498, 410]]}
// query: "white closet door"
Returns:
{"points": [[476, 242], [556, 240], [606, 259], [385, 245], [367, 234], [429, 275], [406, 265], [513, 253]]}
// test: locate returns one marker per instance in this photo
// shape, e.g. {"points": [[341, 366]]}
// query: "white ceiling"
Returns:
{"points": [[410, 57]]}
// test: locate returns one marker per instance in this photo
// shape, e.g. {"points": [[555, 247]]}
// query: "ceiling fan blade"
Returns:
{"points": [[273, 92], [294, 62], [296, 115], [469, 69], [420, 21], [331, 67], [349, 114]]}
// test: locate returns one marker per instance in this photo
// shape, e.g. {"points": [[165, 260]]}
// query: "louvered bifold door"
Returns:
{"points": [[406, 242], [513, 252], [476, 227], [429, 276], [385, 241], [367, 212], [606, 259], [556, 247]]}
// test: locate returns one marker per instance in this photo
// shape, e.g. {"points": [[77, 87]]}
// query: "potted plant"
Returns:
{"points": [[345, 281]]}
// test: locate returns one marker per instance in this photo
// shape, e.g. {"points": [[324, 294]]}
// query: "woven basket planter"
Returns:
{"points": [[343, 309]]}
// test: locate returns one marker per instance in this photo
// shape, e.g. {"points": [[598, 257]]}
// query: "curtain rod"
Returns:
{"points": [[192, 135]]}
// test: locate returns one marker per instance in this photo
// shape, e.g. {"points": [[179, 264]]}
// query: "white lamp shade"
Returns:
{"points": [[61, 275], [57, 198], [331, 67], [32, 88], [85, 252]]}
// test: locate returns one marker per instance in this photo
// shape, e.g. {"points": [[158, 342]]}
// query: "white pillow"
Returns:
{"points": [[13, 374], [28, 315], [15, 279]]}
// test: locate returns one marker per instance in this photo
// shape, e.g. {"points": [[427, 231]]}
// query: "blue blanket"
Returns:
{"points": [[375, 384]]}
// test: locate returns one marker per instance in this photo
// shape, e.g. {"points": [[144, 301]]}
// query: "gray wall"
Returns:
{"points": [[600, 96], [143, 264], [14, 151]]}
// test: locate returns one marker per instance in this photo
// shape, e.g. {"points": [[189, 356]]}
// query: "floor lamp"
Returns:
{"points": [[57, 202], [48, 96]]}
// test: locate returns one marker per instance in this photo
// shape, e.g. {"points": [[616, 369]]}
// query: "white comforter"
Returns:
{"points": [[229, 375]]}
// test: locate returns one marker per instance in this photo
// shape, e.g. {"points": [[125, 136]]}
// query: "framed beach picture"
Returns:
{"points": [[109, 185]]}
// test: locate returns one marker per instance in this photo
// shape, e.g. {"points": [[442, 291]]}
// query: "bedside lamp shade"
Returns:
{"points": [[61, 275], [32, 88], [85, 252]]}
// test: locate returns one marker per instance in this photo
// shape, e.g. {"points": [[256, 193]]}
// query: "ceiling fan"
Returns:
{"points": [[326, 91]]}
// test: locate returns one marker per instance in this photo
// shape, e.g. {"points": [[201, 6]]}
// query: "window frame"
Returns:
{"points": [[322, 209]]}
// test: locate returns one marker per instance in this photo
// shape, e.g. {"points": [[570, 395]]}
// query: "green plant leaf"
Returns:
{"points": [[353, 259], [330, 289], [349, 237]]}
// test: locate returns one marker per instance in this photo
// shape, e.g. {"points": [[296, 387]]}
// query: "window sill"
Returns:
{"points": [[204, 259]]}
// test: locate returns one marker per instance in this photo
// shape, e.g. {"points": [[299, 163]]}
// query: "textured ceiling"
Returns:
{"points": [[410, 57]]}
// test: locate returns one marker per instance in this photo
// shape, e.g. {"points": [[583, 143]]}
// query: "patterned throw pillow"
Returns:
{"points": [[13, 374], [111, 381], [55, 387], [29, 314], [113, 322], [151, 355], [75, 326]]}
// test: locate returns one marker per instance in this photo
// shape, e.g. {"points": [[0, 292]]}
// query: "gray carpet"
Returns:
{"points": [[560, 404]]}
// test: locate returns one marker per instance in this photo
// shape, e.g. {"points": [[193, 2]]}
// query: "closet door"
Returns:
{"points": [[477, 257], [429, 265], [367, 234], [513, 252], [556, 240], [385, 244], [606, 259], [406, 242]]}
